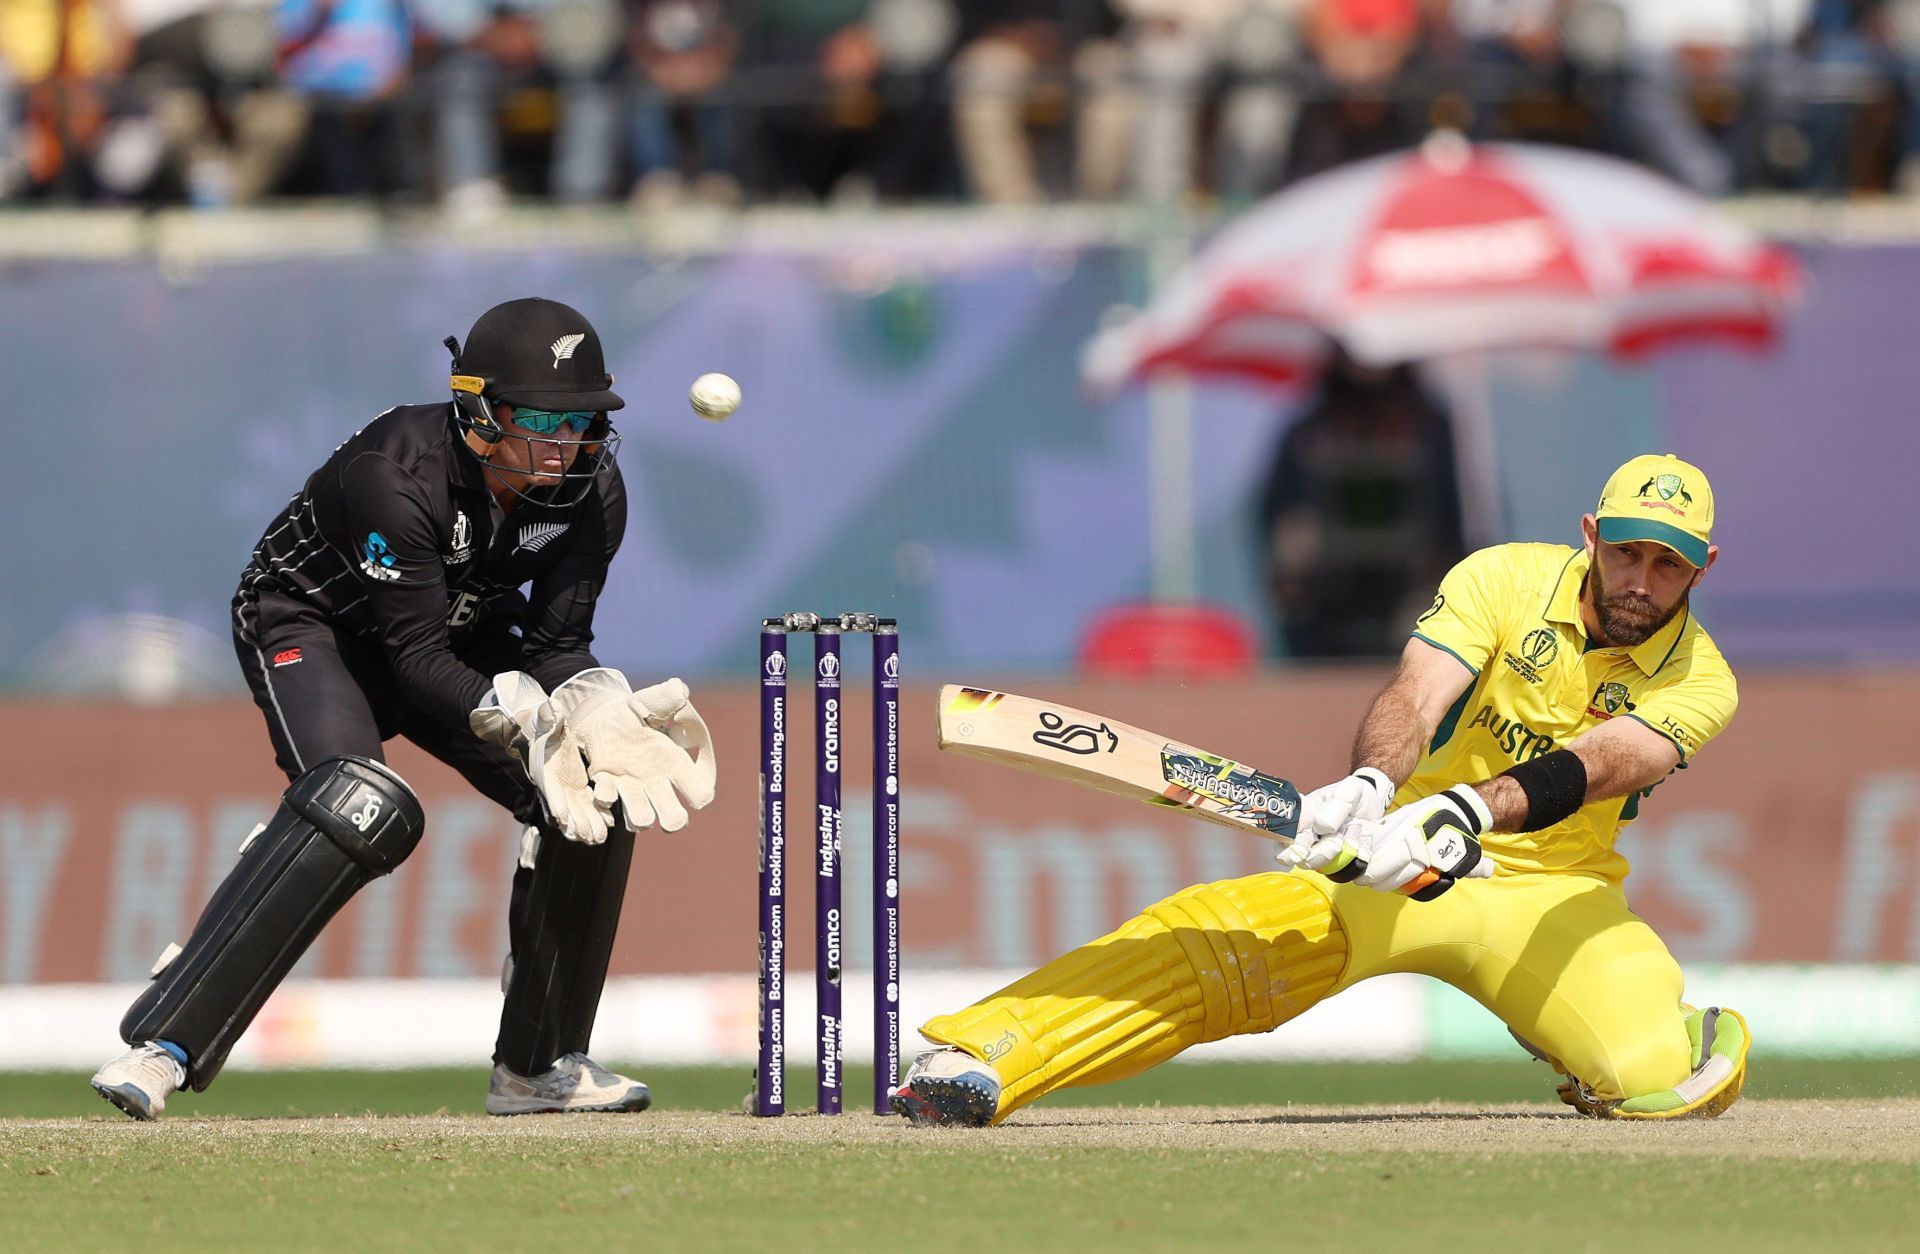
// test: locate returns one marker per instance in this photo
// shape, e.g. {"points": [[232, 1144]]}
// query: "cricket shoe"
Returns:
{"points": [[576, 1082], [140, 1080], [948, 1086]]}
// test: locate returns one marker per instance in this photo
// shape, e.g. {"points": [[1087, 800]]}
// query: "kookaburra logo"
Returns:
{"points": [[564, 346], [1079, 738], [1668, 487]]}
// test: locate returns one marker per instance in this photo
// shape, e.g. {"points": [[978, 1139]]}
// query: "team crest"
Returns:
{"points": [[1666, 487], [1609, 699]]}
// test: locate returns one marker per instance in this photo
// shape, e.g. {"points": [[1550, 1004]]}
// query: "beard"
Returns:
{"points": [[1628, 618]]}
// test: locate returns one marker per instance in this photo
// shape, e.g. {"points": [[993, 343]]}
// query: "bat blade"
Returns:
{"points": [[1048, 738]]}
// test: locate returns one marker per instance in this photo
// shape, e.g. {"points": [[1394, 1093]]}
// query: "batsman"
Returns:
{"points": [[1540, 700], [436, 579]]}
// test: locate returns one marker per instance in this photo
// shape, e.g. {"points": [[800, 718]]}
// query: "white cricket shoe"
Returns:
{"points": [[948, 1086], [140, 1080], [576, 1082]]}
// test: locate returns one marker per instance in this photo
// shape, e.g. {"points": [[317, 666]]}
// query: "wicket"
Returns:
{"points": [[769, 1080]]}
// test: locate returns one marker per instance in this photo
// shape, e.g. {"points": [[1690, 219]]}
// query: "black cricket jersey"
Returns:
{"points": [[397, 541]]}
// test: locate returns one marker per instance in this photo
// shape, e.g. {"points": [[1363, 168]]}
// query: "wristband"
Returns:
{"points": [[1556, 787]]}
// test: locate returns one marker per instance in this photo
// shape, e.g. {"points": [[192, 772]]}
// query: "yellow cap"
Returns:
{"points": [[1660, 498]]}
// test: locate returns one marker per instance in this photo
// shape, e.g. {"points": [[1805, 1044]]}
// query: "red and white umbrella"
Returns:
{"points": [[1452, 248]]}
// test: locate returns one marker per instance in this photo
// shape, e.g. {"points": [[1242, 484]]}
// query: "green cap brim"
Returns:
{"points": [[1628, 530]]}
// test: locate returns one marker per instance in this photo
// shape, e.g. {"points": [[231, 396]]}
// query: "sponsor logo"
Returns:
{"points": [[1681, 736], [462, 549], [1056, 733], [1439, 603], [1515, 738], [564, 346], [830, 1051], [1538, 648], [1272, 803], [377, 559], [827, 854], [464, 609], [536, 536], [830, 732], [1476, 253], [1663, 488], [1609, 699], [286, 657], [776, 775]]}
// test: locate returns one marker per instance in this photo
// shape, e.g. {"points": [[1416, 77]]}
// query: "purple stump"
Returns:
{"points": [[826, 884], [770, 1086], [886, 862]]}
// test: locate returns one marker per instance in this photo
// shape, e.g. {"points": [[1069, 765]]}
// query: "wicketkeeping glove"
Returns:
{"points": [[648, 750], [1421, 849], [1327, 811], [517, 715]]}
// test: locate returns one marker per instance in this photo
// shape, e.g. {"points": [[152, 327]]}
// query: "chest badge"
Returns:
{"points": [[462, 550], [1609, 699], [1538, 648]]}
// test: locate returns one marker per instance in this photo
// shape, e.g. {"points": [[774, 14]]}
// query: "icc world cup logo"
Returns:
{"points": [[830, 667], [1540, 646], [776, 665], [891, 671]]}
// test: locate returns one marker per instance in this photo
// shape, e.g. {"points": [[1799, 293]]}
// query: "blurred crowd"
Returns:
{"points": [[471, 103]]}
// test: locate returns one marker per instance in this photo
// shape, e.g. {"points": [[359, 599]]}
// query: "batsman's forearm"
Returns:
{"points": [[1391, 736]]}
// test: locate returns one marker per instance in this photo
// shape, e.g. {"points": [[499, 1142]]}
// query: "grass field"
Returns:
{"points": [[1366, 1156]]}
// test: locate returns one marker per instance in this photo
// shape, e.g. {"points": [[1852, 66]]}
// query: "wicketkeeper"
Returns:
{"points": [[386, 600], [1541, 699]]}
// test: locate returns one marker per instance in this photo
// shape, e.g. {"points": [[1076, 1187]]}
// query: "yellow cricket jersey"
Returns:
{"points": [[1511, 613]]}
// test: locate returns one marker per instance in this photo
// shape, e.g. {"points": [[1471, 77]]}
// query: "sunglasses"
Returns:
{"points": [[546, 422]]}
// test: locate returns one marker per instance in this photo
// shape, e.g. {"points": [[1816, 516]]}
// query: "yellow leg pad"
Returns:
{"points": [[1720, 1072], [1209, 962]]}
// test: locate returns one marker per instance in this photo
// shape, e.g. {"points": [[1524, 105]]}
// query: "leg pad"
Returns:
{"points": [[1209, 962], [344, 823]]}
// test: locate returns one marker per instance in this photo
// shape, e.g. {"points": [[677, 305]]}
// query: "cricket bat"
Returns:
{"points": [[1048, 738]]}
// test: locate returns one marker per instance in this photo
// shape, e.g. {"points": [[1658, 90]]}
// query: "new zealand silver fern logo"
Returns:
{"points": [[564, 346]]}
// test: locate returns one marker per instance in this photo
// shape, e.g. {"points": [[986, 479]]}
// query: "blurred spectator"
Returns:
{"points": [[683, 52], [1177, 49], [1855, 47], [850, 105], [1020, 60], [229, 130], [1360, 513], [1362, 49], [350, 60], [62, 59], [527, 69]]}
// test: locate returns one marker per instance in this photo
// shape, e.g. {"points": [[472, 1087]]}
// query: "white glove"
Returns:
{"points": [[1326, 813], [517, 715], [1421, 849], [648, 750]]}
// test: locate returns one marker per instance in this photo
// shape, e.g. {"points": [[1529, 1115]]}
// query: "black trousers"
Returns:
{"points": [[338, 698]]}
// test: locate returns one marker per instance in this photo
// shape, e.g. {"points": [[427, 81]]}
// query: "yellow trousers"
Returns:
{"points": [[1559, 958]]}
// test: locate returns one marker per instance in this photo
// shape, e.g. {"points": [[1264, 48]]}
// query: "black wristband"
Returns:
{"points": [[1556, 787]]}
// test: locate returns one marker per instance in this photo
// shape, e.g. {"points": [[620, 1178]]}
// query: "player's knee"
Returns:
{"points": [[1713, 1074], [1262, 948], [362, 807]]}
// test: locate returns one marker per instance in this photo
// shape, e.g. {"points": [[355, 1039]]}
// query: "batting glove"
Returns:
{"points": [[650, 750], [1326, 812], [517, 715], [1421, 849]]}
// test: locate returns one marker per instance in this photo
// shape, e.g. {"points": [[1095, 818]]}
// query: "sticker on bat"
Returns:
{"points": [[1272, 804]]}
